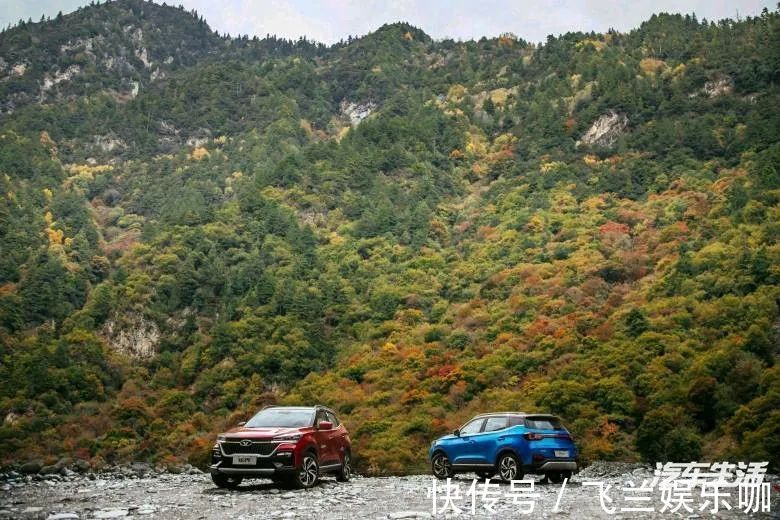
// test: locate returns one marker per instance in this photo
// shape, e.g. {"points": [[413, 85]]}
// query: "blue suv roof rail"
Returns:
{"points": [[500, 413]]}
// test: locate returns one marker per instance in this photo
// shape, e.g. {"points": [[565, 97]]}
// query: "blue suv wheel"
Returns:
{"points": [[442, 468], [509, 467]]}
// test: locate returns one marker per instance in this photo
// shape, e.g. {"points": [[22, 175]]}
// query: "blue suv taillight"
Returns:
{"points": [[532, 436]]}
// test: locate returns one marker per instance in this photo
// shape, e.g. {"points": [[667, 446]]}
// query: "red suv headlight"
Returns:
{"points": [[288, 442], [289, 438]]}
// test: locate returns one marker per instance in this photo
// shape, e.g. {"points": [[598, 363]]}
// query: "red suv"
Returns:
{"points": [[290, 444]]}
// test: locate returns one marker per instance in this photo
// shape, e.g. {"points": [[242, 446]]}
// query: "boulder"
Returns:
{"points": [[64, 462], [141, 468], [34, 466], [111, 513], [81, 465], [49, 470], [97, 463]]}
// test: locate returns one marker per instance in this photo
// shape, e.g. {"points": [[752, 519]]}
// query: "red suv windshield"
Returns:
{"points": [[282, 418]]}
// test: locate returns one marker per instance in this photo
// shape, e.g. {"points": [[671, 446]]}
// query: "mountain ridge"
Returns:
{"points": [[411, 230]]}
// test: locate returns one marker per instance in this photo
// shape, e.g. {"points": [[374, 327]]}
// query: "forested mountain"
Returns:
{"points": [[408, 230]]}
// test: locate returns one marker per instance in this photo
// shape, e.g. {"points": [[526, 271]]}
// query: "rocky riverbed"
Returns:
{"points": [[142, 492]]}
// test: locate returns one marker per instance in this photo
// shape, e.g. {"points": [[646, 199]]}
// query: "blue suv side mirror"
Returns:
{"points": [[456, 432]]}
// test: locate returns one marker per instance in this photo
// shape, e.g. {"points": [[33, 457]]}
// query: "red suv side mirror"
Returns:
{"points": [[325, 425]]}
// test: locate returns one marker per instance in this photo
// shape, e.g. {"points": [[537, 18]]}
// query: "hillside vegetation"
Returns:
{"points": [[410, 231]]}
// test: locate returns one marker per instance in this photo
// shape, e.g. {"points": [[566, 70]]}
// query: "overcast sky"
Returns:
{"points": [[330, 20]]}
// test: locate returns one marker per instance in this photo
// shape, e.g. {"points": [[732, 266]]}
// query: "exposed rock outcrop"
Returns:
{"points": [[81, 44], [168, 135], [9, 71], [199, 137], [143, 55], [135, 87], [19, 69], [136, 34], [157, 74], [719, 87], [134, 336], [117, 63], [357, 112], [109, 143], [59, 76], [606, 130]]}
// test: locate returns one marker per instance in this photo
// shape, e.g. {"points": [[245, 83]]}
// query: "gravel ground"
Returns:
{"points": [[192, 495]]}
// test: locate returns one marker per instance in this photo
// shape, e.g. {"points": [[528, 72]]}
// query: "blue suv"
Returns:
{"points": [[511, 444]]}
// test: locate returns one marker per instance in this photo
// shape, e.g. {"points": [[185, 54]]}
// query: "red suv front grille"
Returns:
{"points": [[253, 447]]}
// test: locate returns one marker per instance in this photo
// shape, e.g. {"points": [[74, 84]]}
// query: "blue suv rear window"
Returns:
{"points": [[543, 423]]}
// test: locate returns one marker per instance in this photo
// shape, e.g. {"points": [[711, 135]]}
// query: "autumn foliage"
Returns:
{"points": [[169, 267]]}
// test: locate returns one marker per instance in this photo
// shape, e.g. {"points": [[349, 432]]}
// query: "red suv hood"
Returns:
{"points": [[263, 433]]}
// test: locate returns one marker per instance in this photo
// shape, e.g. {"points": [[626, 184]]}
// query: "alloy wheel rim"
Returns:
{"points": [[347, 467], [309, 471], [508, 468], [441, 465]]}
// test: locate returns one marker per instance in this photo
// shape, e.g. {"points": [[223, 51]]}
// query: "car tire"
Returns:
{"points": [[485, 475], [509, 467], [309, 473], [441, 466], [556, 477], [225, 481], [345, 473]]}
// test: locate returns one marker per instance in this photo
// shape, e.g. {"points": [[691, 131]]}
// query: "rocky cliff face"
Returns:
{"points": [[357, 112], [606, 130], [719, 87], [134, 336]]}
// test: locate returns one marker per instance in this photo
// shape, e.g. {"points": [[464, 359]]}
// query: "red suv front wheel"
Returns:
{"points": [[346, 469], [309, 472]]}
